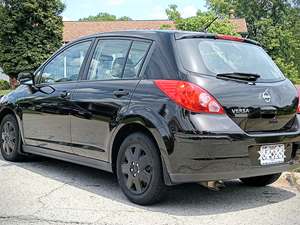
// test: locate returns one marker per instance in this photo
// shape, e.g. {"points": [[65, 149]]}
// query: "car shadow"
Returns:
{"points": [[181, 200]]}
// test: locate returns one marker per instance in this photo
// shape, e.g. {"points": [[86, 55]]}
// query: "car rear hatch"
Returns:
{"points": [[242, 78]]}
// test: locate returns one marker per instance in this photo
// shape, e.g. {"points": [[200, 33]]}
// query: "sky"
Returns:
{"points": [[136, 9]]}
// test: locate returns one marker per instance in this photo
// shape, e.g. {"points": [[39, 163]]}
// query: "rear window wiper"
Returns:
{"points": [[239, 76]]}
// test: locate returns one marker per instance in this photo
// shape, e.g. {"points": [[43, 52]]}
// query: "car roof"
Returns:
{"points": [[156, 35], [145, 34]]}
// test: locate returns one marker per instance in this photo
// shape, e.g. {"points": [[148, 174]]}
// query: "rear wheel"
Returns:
{"points": [[139, 170], [10, 139], [261, 180]]}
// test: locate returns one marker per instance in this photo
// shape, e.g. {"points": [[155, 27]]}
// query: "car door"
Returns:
{"points": [[46, 111], [111, 78]]}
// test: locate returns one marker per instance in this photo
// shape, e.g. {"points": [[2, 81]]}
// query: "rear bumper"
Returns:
{"points": [[246, 171], [227, 156]]}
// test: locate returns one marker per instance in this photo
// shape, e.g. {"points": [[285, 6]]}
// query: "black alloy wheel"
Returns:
{"points": [[10, 139], [139, 170]]}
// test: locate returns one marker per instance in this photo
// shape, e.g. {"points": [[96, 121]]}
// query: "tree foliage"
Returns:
{"points": [[4, 85], [124, 18], [297, 32], [173, 13], [103, 16], [31, 30], [273, 23], [200, 21]]}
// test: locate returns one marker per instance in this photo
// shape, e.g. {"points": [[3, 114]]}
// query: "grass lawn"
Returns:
{"points": [[4, 92]]}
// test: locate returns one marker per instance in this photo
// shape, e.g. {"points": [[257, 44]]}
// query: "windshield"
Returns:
{"points": [[214, 57]]}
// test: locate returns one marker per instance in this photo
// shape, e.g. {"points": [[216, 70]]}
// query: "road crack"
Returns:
{"points": [[34, 219], [40, 199]]}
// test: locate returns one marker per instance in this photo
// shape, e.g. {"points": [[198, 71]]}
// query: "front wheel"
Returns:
{"points": [[261, 180], [10, 139], [139, 170]]}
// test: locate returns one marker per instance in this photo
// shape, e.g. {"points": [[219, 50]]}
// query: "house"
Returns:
{"points": [[3, 76], [76, 29]]}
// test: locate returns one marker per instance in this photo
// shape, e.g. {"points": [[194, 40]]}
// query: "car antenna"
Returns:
{"points": [[208, 25]]}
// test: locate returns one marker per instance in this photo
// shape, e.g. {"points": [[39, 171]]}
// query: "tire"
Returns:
{"points": [[139, 170], [261, 180], [10, 139]]}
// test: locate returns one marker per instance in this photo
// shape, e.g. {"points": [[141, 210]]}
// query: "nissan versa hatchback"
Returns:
{"points": [[158, 108]]}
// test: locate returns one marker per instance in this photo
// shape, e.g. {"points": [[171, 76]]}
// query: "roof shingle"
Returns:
{"points": [[76, 29]]}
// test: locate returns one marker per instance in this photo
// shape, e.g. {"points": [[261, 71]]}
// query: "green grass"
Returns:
{"points": [[4, 92]]}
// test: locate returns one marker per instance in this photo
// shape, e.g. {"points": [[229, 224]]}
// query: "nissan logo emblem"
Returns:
{"points": [[266, 96]]}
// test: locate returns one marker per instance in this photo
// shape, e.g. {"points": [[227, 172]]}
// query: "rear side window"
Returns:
{"points": [[135, 59], [212, 57], [117, 59], [109, 59]]}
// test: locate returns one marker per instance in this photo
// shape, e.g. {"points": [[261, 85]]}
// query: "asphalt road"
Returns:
{"points": [[46, 191]]}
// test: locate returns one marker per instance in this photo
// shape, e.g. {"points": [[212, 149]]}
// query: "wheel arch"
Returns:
{"points": [[9, 111], [159, 136], [6, 111]]}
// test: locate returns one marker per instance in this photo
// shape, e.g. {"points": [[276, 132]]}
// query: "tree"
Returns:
{"points": [[273, 23], [104, 16], [124, 18], [297, 31], [173, 13], [221, 7], [31, 30], [198, 22]]}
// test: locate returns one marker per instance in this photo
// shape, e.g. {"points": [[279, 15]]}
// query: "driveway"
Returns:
{"points": [[46, 191]]}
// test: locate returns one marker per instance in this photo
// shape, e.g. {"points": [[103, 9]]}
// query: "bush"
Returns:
{"points": [[165, 27], [4, 85]]}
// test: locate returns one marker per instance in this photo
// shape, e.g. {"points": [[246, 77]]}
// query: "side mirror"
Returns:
{"points": [[25, 77]]}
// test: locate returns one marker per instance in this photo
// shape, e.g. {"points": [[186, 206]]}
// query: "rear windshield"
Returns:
{"points": [[212, 57]]}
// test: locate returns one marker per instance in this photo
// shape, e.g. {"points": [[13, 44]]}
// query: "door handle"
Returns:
{"points": [[65, 95], [120, 93]]}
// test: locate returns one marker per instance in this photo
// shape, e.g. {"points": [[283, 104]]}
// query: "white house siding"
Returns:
{"points": [[3, 76]]}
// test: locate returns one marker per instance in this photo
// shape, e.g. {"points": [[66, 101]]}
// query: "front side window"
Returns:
{"points": [[66, 66], [109, 59]]}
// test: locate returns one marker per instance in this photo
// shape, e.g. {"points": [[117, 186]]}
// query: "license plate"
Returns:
{"points": [[272, 154]]}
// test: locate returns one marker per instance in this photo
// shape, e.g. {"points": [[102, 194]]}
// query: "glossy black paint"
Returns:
{"points": [[97, 108], [46, 117], [79, 121]]}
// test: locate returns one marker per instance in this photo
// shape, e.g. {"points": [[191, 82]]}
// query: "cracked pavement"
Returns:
{"points": [[47, 191]]}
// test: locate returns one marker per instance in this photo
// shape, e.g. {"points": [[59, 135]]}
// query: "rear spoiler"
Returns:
{"points": [[191, 35]]}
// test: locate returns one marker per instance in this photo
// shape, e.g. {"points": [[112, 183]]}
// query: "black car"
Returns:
{"points": [[158, 108]]}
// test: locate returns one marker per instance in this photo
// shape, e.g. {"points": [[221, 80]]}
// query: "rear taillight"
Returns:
{"points": [[190, 96], [230, 38], [298, 108]]}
